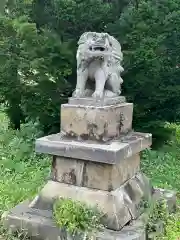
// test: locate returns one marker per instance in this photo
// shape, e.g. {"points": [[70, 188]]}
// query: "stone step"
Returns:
{"points": [[111, 153]]}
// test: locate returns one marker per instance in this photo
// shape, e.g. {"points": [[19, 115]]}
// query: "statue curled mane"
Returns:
{"points": [[99, 58]]}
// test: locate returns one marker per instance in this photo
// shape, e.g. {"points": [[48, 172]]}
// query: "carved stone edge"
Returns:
{"points": [[95, 107], [92, 101], [121, 205], [39, 224], [110, 153], [97, 102]]}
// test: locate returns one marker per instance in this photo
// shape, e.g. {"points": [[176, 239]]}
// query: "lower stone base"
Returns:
{"points": [[39, 224], [119, 206]]}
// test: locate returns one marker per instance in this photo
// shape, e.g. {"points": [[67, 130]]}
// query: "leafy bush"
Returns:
{"points": [[166, 174], [37, 60], [38, 66], [149, 33], [170, 222], [76, 217], [172, 228], [157, 213], [36, 85], [22, 171]]}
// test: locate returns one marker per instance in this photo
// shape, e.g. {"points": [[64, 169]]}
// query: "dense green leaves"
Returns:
{"points": [[77, 217], [150, 36], [37, 57]]}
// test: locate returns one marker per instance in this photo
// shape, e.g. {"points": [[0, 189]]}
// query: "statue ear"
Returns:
{"points": [[116, 47], [84, 37], [110, 39]]}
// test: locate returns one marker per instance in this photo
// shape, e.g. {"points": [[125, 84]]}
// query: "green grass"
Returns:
{"points": [[77, 218], [163, 166], [23, 172]]}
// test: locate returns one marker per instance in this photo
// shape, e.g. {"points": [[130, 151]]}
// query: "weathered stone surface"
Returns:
{"points": [[96, 123], [39, 224], [112, 152], [103, 199], [94, 175], [97, 102], [143, 182], [68, 170], [99, 68], [119, 206]]}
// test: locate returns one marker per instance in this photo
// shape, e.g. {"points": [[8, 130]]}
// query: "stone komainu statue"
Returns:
{"points": [[99, 67]]}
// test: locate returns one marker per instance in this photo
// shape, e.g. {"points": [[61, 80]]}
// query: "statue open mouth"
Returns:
{"points": [[97, 48]]}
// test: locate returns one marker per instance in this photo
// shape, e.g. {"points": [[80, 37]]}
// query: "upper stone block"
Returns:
{"points": [[99, 123]]}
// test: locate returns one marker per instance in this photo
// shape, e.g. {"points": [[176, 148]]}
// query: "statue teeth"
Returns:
{"points": [[104, 51]]}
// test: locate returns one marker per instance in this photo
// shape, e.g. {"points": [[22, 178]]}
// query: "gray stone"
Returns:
{"points": [[168, 195], [102, 199], [143, 182], [135, 195], [97, 102], [40, 225], [112, 152], [68, 170], [119, 206], [96, 123], [99, 58], [94, 175]]}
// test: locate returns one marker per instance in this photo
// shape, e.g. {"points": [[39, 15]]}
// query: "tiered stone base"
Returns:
{"points": [[96, 160], [111, 152], [119, 206], [39, 224]]}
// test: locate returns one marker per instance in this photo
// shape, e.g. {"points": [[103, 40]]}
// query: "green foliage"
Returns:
{"points": [[170, 222], [33, 76], [2, 6], [149, 33], [163, 168], [76, 217], [71, 18], [158, 214], [166, 174], [38, 66], [172, 228], [176, 128], [37, 60], [22, 171]]}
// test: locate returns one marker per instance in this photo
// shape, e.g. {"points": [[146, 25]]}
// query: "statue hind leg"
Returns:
{"points": [[114, 82]]}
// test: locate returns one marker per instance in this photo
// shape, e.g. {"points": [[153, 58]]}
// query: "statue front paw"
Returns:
{"points": [[78, 93], [97, 94]]}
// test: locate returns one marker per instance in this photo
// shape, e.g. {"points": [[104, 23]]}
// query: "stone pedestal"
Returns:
{"points": [[96, 160], [93, 174], [96, 122]]}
